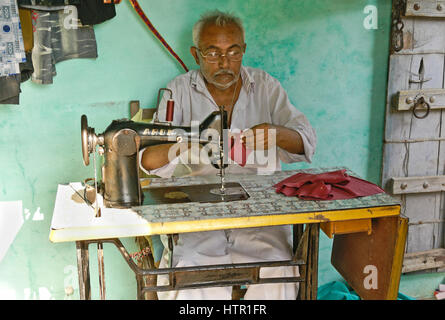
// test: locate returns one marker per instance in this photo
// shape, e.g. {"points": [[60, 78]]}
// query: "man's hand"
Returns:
{"points": [[260, 137], [265, 136]]}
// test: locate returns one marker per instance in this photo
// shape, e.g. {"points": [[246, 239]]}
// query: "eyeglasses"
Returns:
{"points": [[213, 56]]}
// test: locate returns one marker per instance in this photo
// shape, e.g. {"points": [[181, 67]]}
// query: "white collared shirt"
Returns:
{"points": [[262, 99]]}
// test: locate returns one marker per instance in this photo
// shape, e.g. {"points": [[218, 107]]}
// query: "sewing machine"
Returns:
{"points": [[121, 143]]}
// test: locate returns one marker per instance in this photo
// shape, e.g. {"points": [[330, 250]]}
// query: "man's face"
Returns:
{"points": [[224, 72]]}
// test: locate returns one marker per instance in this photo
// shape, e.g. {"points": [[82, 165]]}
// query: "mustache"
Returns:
{"points": [[224, 72]]}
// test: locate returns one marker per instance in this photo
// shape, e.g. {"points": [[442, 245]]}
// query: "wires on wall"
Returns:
{"points": [[147, 21]]}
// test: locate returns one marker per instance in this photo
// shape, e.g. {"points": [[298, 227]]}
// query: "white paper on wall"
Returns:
{"points": [[12, 50], [11, 220]]}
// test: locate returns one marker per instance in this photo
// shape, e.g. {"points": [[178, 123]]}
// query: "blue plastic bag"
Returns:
{"points": [[337, 290]]}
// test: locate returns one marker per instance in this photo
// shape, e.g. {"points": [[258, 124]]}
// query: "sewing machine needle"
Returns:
{"points": [[223, 189], [221, 174]]}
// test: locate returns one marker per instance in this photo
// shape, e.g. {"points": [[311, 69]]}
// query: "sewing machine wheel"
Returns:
{"points": [[87, 135]]}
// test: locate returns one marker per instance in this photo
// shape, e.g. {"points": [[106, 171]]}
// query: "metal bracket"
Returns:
{"points": [[406, 99], [425, 8], [404, 185]]}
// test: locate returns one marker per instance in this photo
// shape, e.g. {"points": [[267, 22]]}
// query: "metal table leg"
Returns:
{"points": [[312, 279], [83, 269], [100, 263], [202, 276]]}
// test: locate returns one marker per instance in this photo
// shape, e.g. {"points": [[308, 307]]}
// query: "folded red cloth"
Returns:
{"points": [[334, 185]]}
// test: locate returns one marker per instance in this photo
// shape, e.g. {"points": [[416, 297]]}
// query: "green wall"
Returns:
{"points": [[333, 68]]}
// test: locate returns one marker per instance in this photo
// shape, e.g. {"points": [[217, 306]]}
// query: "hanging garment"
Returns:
{"points": [[26, 68], [10, 89], [12, 50], [335, 185], [10, 85], [47, 2], [95, 11], [26, 24], [55, 42]]}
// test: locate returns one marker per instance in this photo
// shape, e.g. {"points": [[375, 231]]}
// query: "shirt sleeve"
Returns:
{"points": [[165, 171], [285, 114]]}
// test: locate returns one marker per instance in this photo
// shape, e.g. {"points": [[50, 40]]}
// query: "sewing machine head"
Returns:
{"points": [[121, 142]]}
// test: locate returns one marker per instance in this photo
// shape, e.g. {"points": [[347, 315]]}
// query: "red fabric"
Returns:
{"points": [[238, 150], [334, 185]]}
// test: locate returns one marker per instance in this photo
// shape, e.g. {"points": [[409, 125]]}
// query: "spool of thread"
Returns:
{"points": [[170, 110]]}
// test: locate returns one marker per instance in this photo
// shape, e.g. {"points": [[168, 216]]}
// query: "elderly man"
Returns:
{"points": [[253, 100]]}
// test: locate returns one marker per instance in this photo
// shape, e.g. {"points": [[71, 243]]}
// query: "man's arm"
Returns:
{"points": [[289, 140], [155, 156], [159, 155], [284, 114]]}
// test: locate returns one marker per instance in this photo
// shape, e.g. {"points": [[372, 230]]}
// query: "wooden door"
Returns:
{"points": [[414, 146]]}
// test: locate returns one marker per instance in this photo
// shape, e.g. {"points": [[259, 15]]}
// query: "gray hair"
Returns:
{"points": [[217, 18]]}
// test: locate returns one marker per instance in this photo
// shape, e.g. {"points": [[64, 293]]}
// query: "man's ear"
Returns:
{"points": [[245, 46], [194, 53]]}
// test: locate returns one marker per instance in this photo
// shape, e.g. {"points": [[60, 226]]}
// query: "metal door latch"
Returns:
{"points": [[419, 104]]}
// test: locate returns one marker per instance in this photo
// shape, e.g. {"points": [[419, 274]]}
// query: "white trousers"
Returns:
{"points": [[235, 246]]}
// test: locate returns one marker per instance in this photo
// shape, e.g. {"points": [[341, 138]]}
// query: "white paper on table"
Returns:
{"points": [[69, 213]]}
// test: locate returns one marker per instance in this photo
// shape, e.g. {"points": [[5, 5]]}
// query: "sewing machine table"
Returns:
{"points": [[369, 231]]}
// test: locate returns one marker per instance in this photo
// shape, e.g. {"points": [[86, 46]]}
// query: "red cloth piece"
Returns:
{"points": [[334, 185], [300, 179], [315, 191], [359, 188], [238, 150]]}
